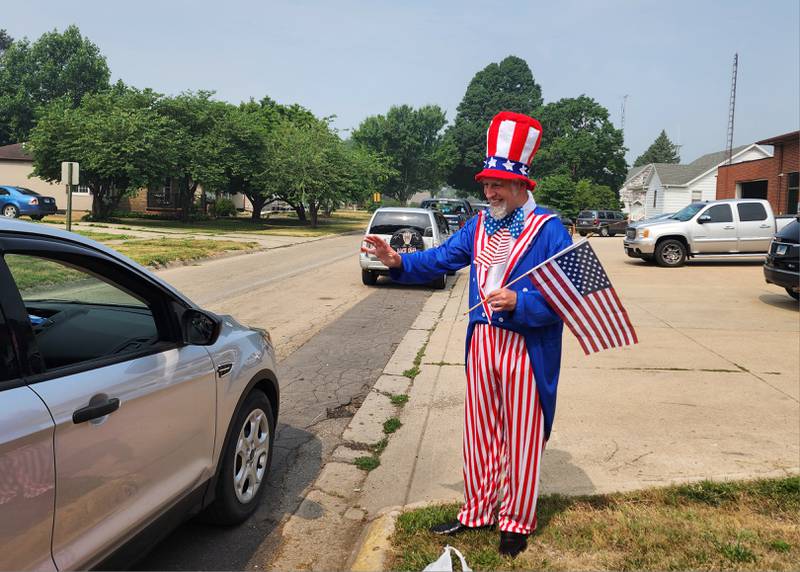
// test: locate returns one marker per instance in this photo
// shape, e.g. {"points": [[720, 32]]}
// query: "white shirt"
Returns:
{"points": [[494, 277]]}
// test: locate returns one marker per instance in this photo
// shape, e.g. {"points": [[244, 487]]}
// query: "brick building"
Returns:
{"points": [[773, 178]]}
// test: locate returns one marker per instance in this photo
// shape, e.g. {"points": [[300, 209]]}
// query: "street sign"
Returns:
{"points": [[65, 173], [70, 176]]}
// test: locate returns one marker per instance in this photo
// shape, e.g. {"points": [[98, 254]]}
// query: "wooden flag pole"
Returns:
{"points": [[581, 241]]}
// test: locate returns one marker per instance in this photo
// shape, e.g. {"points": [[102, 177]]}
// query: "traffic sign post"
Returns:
{"points": [[70, 175]]}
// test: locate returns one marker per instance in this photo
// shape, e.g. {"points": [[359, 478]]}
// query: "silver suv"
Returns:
{"points": [[122, 405], [406, 230]]}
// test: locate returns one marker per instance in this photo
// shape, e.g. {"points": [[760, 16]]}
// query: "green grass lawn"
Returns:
{"points": [[752, 525], [33, 273], [283, 224]]}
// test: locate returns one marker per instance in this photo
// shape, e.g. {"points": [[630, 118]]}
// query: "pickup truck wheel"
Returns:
{"points": [[581, 233], [369, 278], [793, 294], [671, 253], [604, 231], [245, 462]]}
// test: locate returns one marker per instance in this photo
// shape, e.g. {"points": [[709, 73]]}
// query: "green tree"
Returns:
{"points": [[557, 192], [508, 85], [661, 151], [578, 139], [57, 65], [589, 195], [5, 41], [119, 138], [197, 118], [411, 140]]}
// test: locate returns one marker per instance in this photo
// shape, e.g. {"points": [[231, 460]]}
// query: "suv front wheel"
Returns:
{"points": [[369, 278], [245, 462], [670, 253]]}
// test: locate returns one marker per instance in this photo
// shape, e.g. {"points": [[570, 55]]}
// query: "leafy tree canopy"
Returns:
{"points": [[57, 65], [5, 41], [411, 141], [508, 85], [119, 138], [661, 151], [579, 140], [563, 194]]}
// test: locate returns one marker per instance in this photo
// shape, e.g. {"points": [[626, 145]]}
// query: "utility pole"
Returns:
{"points": [[732, 108]]}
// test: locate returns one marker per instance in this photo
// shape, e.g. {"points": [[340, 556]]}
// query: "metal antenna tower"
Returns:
{"points": [[622, 114], [732, 108]]}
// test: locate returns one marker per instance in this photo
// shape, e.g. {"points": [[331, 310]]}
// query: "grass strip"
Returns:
{"points": [[743, 525], [160, 251]]}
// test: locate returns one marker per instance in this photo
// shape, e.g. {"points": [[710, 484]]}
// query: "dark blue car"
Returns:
{"points": [[16, 201]]}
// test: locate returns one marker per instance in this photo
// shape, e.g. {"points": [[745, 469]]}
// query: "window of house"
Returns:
{"points": [[162, 197], [697, 196], [81, 190], [792, 195]]}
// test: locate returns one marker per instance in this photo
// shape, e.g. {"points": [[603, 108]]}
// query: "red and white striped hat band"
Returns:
{"points": [[511, 142]]}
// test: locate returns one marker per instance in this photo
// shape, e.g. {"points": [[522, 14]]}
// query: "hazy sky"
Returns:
{"points": [[357, 58]]}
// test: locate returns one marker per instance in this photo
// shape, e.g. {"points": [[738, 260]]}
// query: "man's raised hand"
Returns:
{"points": [[378, 248]]}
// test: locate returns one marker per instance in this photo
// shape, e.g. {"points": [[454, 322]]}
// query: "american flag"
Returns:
{"points": [[575, 285]]}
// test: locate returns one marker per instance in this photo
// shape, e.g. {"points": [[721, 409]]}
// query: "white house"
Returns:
{"points": [[658, 188]]}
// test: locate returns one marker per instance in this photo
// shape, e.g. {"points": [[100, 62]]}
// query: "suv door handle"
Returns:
{"points": [[728, 227], [765, 226], [95, 411]]}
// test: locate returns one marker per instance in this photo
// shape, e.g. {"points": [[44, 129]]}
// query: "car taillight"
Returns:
{"points": [[460, 224], [596, 221], [33, 201]]}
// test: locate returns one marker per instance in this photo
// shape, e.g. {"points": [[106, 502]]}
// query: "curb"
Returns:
{"points": [[374, 544]]}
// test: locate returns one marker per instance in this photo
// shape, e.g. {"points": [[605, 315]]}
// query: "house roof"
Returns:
{"points": [[778, 139], [676, 174], [14, 152]]}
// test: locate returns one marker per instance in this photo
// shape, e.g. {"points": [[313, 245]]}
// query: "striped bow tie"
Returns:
{"points": [[514, 222]]}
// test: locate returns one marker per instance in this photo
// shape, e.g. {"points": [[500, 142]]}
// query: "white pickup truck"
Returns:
{"points": [[727, 228]]}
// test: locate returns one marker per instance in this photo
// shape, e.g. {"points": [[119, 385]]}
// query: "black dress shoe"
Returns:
{"points": [[455, 527], [512, 543]]}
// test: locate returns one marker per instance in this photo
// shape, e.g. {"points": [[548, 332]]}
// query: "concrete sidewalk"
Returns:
{"points": [[712, 391]]}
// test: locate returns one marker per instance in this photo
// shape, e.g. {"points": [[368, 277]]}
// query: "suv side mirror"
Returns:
{"points": [[428, 232], [200, 328], [704, 219]]}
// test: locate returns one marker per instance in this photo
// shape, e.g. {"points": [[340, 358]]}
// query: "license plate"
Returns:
{"points": [[782, 248]]}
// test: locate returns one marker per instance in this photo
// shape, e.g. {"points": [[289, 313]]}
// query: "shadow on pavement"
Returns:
{"points": [[780, 301], [200, 546]]}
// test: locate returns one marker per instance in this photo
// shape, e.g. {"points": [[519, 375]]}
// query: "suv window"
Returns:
{"points": [[76, 316], [720, 213], [389, 222], [751, 211], [586, 214]]}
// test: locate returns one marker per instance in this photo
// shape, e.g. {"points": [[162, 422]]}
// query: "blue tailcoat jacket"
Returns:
{"points": [[533, 318]]}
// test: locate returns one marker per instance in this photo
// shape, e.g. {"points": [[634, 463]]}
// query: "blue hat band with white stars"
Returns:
{"points": [[505, 165]]}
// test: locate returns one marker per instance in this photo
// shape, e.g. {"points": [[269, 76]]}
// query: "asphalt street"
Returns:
{"points": [[334, 336]]}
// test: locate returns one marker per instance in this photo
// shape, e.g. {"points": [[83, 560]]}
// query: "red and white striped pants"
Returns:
{"points": [[503, 432]]}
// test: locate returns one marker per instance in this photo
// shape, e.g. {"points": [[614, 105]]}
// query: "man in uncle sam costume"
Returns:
{"points": [[513, 353]]}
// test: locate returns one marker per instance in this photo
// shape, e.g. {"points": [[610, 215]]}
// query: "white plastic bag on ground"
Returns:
{"points": [[445, 564]]}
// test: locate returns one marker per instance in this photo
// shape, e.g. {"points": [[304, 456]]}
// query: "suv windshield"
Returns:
{"points": [[587, 214], [445, 207], [391, 222], [688, 212]]}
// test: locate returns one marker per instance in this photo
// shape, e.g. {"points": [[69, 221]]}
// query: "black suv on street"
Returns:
{"points": [[782, 266], [456, 211], [604, 223]]}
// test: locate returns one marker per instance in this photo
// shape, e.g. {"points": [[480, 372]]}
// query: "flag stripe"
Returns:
{"points": [[530, 145], [518, 142], [578, 303], [505, 133]]}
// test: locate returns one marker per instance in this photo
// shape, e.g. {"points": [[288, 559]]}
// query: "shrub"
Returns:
{"points": [[223, 208]]}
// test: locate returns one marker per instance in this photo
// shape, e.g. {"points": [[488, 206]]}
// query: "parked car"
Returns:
{"points": [[407, 230], [602, 222], [17, 201], [782, 266], [124, 407], [456, 211], [727, 228]]}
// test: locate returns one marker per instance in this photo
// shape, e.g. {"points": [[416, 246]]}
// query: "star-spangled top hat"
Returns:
{"points": [[511, 142]]}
